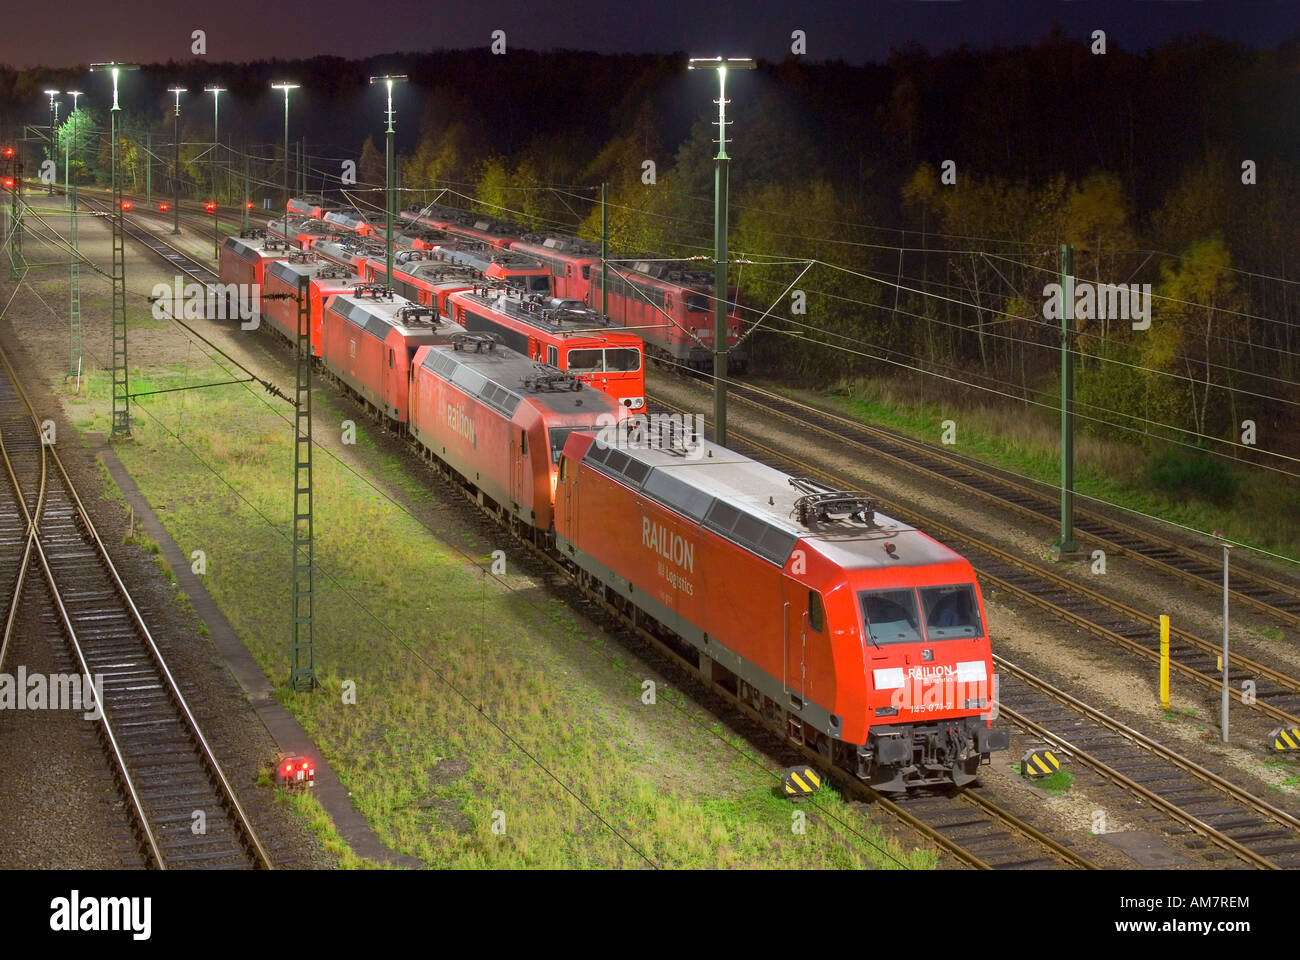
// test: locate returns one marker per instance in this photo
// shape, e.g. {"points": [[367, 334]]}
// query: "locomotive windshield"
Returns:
{"points": [[559, 436], [951, 612], [698, 303], [613, 360], [540, 284], [622, 359], [892, 616]]}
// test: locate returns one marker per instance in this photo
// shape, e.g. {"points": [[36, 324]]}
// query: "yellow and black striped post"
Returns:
{"points": [[1285, 738], [799, 782], [1039, 763]]}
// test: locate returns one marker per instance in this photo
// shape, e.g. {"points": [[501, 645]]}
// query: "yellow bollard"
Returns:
{"points": [[1164, 661]]}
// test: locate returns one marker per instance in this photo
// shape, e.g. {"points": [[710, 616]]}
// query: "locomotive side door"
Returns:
{"points": [[570, 501], [518, 467], [795, 618]]}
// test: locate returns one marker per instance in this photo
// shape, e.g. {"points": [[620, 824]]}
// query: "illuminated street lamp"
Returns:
{"points": [[121, 390], [67, 152], [54, 122], [286, 87], [388, 176], [721, 162], [176, 160], [216, 147]]}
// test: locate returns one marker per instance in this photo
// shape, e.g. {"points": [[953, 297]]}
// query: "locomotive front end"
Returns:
{"points": [[930, 678]]}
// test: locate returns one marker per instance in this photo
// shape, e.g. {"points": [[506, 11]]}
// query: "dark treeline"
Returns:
{"points": [[1134, 158]]}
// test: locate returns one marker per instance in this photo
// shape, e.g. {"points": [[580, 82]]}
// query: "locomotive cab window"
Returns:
{"points": [[816, 615], [698, 303], [390, 358], [622, 359], [890, 615], [558, 437], [951, 612], [585, 361], [523, 443], [553, 356]]}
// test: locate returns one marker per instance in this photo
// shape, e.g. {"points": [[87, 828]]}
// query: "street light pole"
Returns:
{"points": [[74, 267], [54, 120], [388, 179], [121, 390], [216, 138], [67, 152], [176, 160], [286, 87], [216, 149], [720, 178]]}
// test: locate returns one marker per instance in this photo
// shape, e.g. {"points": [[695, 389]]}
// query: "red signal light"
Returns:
{"points": [[164, 207], [9, 152], [126, 204], [248, 205], [9, 183], [209, 206]]}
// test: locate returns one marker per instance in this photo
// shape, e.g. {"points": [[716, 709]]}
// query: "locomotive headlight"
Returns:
{"points": [[889, 678]]}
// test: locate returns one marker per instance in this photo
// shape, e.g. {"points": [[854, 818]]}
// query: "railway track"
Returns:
{"points": [[185, 263], [968, 827], [963, 823], [1222, 812], [1276, 693], [1258, 590], [163, 765]]}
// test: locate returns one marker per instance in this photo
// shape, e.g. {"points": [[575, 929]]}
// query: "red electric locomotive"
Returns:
{"points": [[244, 258], [857, 634], [350, 251], [464, 224], [280, 291], [526, 273], [302, 232], [570, 260], [369, 339], [349, 221], [310, 206], [500, 421], [424, 279], [561, 333], [670, 304]]}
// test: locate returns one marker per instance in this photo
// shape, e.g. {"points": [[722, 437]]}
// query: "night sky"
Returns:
{"points": [[68, 32]]}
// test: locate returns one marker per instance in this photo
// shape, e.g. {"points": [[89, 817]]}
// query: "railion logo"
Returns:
{"points": [[669, 545], [461, 423]]}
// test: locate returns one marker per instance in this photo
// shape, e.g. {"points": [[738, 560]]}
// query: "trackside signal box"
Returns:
{"points": [[295, 771]]}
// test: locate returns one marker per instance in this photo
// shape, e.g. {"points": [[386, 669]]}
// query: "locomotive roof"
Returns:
{"points": [[679, 272], [290, 270], [476, 253], [754, 505], [346, 218], [423, 265], [250, 248], [503, 379], [468, 218], [562, 243], [547, 313], [377, 316]]}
